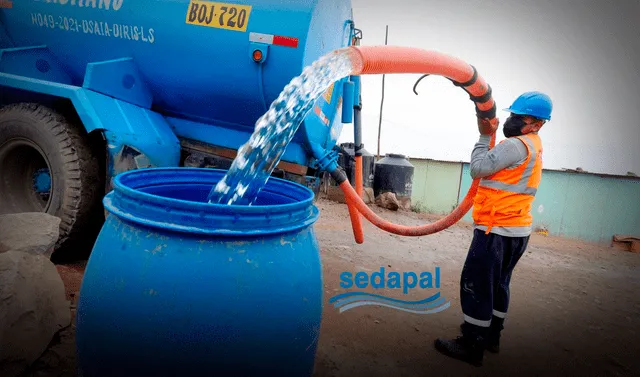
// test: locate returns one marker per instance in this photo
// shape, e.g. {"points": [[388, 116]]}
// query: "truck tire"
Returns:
{"points": [[46, 165]]}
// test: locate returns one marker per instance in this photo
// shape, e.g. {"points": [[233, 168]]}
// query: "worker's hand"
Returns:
{"points": [[487, 126]]}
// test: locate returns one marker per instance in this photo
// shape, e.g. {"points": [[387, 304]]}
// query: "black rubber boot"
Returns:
{"points": [[493, 339], [469, 347]]}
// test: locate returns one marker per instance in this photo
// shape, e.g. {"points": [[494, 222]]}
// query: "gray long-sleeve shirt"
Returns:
{"points": [[484, 162]]}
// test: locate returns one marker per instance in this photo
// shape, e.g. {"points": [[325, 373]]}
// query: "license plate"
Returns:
{"points": [[218, 15]]}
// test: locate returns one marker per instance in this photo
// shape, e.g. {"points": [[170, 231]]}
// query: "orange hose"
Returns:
{"points": [[372, 60], [413, 231], [359, 183], [358, 233], [356, 221], [392, 59]]}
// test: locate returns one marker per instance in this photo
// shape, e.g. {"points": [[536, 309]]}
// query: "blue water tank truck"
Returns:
{"points": [[93, 88]]}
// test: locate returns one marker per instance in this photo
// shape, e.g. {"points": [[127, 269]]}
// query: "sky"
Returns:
{"points": [[584, 54]]}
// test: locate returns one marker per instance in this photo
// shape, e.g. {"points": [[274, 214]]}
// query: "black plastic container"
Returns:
{"points": [[368, 165], [393, 173]]}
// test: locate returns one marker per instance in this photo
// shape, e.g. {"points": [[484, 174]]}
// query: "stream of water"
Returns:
{"points": [[257, 158]]}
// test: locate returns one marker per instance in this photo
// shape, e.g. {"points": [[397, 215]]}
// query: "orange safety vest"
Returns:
{"points": [[504, 199]]}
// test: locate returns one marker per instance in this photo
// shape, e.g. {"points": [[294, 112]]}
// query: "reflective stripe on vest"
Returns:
{"points": [[522, 186]]}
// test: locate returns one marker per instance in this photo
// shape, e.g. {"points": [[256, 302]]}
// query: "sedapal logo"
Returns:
{"points": [[424, 282]]}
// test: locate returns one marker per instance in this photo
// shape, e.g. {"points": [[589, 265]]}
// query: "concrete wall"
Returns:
{"points": [[435, 185], [583, 206]]}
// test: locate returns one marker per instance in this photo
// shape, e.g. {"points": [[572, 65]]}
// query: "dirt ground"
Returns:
{"points": [[575, 307]]}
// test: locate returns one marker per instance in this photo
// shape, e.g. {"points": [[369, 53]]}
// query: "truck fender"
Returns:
{"points": [[136, 137]]}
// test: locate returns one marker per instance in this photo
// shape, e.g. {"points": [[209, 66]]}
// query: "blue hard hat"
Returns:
{"points": [[534, 104]]}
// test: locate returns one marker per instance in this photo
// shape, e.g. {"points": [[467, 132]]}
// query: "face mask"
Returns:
{"points": [[513, 126]]}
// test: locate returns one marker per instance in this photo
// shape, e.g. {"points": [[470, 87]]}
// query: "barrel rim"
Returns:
{"points": [[144, 208]]}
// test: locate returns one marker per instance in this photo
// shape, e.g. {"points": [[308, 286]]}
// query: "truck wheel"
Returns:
{"points": [[46, 165]]}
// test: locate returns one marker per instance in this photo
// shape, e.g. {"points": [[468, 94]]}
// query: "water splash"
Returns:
{"points": [[258, 157]]}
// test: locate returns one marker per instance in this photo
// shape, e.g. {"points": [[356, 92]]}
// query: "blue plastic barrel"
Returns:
{"points": [[176, 286]]}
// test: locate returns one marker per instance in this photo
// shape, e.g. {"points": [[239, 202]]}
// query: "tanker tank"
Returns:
{"points": [[153, 83]]}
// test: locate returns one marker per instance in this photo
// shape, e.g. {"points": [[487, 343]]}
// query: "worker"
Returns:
{"points": [[509, 177]]}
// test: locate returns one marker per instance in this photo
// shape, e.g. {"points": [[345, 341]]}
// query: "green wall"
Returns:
{"points": [[579, 205], [435, 185]]}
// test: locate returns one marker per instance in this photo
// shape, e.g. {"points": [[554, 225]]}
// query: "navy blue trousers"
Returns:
{"points": [[484, 284]]}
